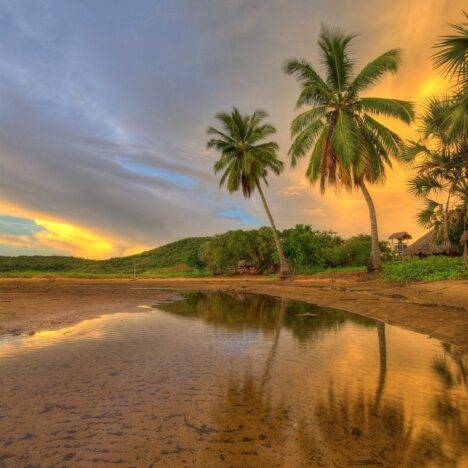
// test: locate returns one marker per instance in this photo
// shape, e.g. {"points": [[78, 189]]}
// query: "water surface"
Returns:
{"points": [[236, 380]]}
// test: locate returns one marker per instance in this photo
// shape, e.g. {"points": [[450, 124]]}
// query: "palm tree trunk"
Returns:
{"points": [[465, 238], [447, 243], [375, 262], [284, 268]]}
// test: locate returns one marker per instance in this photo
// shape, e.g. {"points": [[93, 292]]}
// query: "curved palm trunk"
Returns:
{"points": [[447, 243], [375, 263], [284, 268], [465, 237]]}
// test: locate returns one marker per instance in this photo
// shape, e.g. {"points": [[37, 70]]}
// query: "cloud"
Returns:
{"points": [[105, 108]]}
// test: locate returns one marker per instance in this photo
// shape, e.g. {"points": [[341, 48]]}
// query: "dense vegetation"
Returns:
{"points": [[427, 269]]}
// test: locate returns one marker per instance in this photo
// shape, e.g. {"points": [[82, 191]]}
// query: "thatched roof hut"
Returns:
{"points": [[400, 236], [426, 245]]}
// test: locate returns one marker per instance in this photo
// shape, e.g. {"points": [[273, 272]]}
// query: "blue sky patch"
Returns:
{"points": [[14, 226], [177, 178], [241, 215]]}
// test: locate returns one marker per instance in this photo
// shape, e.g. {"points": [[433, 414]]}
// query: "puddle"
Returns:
{"points": [[236, 380]]}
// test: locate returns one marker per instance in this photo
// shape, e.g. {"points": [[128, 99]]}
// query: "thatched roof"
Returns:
{"points": [[425, 245], [400, 235]]}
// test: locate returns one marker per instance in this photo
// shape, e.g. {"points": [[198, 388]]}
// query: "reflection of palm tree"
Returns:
{"points": [[246, 418], [383, 362], [274, 347], [449, 411], [353, 431]]}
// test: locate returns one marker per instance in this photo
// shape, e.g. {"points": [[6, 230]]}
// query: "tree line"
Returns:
{"points": [[307, 251], [348, 146]]}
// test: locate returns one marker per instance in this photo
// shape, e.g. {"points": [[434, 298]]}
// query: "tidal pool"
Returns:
{"points": [[235, 380]]}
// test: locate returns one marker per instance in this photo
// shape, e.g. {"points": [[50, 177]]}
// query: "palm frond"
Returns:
{"points": [[345, 138], [421, 185], [390, 140], [387, 62], [306, 119], [411, 150], [313, 169], [396, 108], [304, 141], [451, 54], [334, 44], [317, 90]]}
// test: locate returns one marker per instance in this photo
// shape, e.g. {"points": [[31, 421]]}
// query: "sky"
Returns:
{"points": [[104, 107]]}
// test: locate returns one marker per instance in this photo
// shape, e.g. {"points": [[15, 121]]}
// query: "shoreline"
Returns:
{"points": [[437, 309]]}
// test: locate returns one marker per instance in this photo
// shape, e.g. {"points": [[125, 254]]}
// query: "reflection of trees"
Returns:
{"points": [[246, 419], [354, 431], [449, 411], [360, 429], [250, 429], [238, 312]]}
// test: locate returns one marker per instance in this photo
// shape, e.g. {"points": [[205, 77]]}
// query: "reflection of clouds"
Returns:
{"points": [[93, 329]]}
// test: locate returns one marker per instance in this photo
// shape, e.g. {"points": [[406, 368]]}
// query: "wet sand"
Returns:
{"points": [[437, 309]]}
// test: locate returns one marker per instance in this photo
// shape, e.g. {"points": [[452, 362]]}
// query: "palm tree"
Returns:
{"points": [[451, 57], [348, 147], [246, 159], [441, 181]]}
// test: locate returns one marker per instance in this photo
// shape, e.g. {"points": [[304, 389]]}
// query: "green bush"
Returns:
{"points": [[428, 269], [224, 253], [304, 248], [353, 252]]}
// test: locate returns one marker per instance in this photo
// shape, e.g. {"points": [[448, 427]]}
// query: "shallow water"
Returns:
{"points": [[236, 380]]}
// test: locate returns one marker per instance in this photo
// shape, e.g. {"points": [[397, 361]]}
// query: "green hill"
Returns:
{"points": [[167, 260]]}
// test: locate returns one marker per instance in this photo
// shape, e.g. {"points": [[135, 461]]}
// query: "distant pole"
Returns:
{"points": [[134, 270]]}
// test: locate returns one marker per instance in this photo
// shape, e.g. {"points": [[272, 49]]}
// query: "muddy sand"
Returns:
{"points": [[437, 309]]}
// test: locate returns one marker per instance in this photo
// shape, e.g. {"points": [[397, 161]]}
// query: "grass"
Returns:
{"points": [[342, 269], [433, 268], [163, 273], [167, 261]]}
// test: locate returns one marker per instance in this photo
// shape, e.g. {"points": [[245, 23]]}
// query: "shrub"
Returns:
{"points": [[353, 252], [428, 269], [304, 248]]}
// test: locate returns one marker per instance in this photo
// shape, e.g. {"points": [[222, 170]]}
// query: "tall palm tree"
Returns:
{"points": [[246, 159], [348, 147]]}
